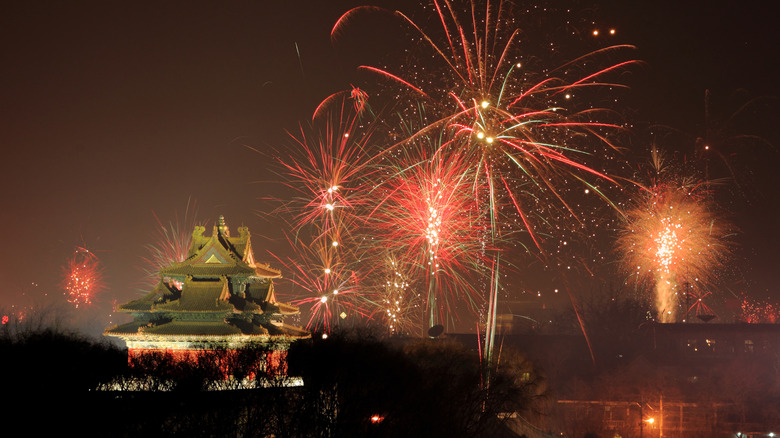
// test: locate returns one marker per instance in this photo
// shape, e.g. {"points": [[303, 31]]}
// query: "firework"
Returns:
{"points": [[358, 97], [519, 137], [172, 245], [482, 160], [673, 236], [500, 113], [519, 131], [399, 305], [757, 311], [83, 277], [427, 216], [328, 173], [699, 308], [330, 290], [173, 242]]}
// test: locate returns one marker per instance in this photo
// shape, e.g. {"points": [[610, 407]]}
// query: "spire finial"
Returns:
{"points": [[223, 229]]}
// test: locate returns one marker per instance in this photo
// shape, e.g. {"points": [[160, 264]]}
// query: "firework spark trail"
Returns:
{"points": [[330, 289], [699, 308], [172, 242], [83, 277], [398, 304], [426, 215], [482, 69], [503, 123], [518, 137], [756, 311], [673, 235], [328, 171], [328, 168]]}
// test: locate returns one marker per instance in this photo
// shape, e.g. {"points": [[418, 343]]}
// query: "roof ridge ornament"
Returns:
{"points": [[222, 227]]}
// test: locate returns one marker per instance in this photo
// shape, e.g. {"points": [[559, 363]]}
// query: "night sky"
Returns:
{"points": [[114, 112]]}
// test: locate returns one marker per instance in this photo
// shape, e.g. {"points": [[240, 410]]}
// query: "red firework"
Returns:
{"points": [[502, 146], [427, 216], [331, 290], [172, 242], [83, 277], [699, 308], [756, 311], [519, 130], [328, 171]]}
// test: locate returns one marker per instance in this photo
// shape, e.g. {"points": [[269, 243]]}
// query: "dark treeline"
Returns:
{"points": [[355, 384], [362, 383]]}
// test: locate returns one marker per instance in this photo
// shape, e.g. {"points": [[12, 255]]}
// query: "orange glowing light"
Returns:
{"points": [[673, 237]]}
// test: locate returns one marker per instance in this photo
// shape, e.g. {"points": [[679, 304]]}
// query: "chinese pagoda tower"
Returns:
{"points": [[219, 297]]}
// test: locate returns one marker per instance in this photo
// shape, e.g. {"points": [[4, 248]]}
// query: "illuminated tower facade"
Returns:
{"points": [[219, 297]]}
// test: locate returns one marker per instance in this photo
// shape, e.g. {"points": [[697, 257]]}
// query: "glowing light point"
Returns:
{"points": [[327, 270], [485, 104], [596, 32], [489, 139], [568, 96], [480, 135], [612, 31], [329, 207], [335, 243], [324, 299]]}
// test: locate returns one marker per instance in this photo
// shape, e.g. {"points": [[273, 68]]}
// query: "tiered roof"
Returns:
{"points": [[219, 290]]}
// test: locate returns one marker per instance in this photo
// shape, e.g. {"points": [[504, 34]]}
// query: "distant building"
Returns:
{"points": [[219, 297], [660, 379], [693, 344]]}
